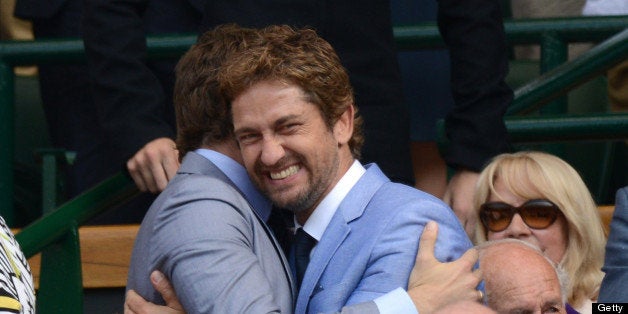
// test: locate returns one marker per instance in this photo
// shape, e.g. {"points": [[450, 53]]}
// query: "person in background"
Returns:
{"points": [[539, 198], [615, 283], [519, 278], [474, 34], [427, 94], [66, 98], [463, 84], [73, 116]]}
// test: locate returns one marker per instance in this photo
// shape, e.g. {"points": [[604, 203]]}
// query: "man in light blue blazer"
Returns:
{"points": [[615, 283], [300, 136]]}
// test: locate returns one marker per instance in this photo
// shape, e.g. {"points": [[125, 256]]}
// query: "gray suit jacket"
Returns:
{"points": [[615, 283], [204, 235]]}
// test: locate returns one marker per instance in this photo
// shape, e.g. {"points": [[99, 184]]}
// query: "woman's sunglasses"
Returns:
{"points": [[536, 214]]}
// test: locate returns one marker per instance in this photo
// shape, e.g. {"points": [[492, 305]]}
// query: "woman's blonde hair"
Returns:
{"points": [[538, 175]]}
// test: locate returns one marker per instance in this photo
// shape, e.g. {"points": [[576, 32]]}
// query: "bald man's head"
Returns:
{"points": [[520, 279]]}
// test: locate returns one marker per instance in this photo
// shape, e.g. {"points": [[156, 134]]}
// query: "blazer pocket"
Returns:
{"points": [[330, 298]]}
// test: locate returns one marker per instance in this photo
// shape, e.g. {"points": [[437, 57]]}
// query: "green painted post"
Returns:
{"points": [[60, 280], [7, 86], [61, 261], [553, 53]]}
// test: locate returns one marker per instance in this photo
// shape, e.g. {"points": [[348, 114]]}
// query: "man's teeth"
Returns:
{"points": [[285, 173]]}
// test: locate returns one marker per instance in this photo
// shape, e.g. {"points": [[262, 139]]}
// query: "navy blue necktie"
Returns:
{"points": [[303, 244]]}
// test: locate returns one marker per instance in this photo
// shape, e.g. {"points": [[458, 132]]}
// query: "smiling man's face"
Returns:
{"points": [[289, 152]]}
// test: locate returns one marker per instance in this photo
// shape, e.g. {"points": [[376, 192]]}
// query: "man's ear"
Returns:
{"points": [[343, 128]]}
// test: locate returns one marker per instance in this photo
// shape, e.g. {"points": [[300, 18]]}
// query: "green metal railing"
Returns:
{"points": [[56, 236], [56, 232]]}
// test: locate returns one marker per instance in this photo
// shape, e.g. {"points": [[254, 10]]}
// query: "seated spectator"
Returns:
{"points": [[615, 281], [17, 292], [540, 199], [522, 281], [465, 307]]}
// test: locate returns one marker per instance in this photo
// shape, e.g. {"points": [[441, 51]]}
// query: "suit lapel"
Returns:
{"points": [[323, 253], [284, 261], [339, 228]]}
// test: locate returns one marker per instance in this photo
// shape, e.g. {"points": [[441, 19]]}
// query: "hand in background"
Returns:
{"points": [[459, 196], [433, 285], [154, 165]]}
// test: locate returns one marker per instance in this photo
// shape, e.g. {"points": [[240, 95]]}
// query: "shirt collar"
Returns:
{"points": [[320, 218], [237, 174]]}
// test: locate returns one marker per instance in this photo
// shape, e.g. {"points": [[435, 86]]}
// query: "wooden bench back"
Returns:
{"points": [[606, 214], [105, 255]]}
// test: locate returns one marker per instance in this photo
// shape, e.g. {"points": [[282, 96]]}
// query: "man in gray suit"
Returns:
{"points": [[203, 231]]}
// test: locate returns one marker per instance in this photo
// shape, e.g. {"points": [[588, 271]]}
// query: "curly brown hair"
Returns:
{"points": [[299, 57], [202, 114]]}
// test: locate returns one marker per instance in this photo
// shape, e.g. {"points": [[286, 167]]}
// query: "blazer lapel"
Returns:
{"points": [[323, 253], [280, 252], [339, 228]]}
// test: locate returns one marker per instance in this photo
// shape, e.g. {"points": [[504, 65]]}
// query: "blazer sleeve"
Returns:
{"points": [[615, 283], [392, 258], [361, 308], [130, 100], [474, 33], [204, 245]]}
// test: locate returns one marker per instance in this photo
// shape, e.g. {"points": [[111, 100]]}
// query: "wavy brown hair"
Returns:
{"points": [[201, 113], [302, 58]]}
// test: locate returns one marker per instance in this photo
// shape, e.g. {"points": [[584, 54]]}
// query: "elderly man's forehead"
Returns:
{"points": [[526, 296], [518, 276], [495, 248]]}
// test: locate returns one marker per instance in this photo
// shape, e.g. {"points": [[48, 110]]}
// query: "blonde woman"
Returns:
{"points": [[539, 198]]}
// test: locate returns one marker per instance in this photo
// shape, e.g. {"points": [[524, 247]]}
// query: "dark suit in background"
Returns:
{"points": [[474, 34], [68, 105], [615, 283], [72, 117]]}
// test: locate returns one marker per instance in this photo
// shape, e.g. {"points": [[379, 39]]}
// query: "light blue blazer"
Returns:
{"points": [[370, 245]]}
